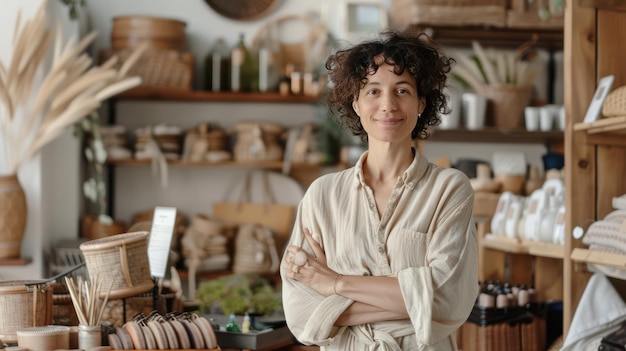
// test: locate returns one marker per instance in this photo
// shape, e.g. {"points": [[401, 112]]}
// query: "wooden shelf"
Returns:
{"points": [[14, 261], [525, 247], [610, 5], [504, 244], [208, 96], [604, 125], [462, 36], [539, 249], [599, 257], [272, 165], [184, 275], [494, 135]]}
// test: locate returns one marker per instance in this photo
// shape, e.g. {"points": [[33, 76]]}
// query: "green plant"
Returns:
{"points": [[94, 187], [72, 6], [239, 294]]}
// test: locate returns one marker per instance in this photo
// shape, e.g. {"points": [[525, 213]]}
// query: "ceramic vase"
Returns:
{"points": [[13, 214]]}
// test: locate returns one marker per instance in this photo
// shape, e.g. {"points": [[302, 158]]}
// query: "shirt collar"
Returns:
{"points": [[410, 176]]}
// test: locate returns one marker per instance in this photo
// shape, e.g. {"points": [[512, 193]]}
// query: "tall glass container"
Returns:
{"points": [[217, 67]]}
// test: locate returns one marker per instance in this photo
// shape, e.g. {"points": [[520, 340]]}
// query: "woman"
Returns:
{"points": [[383, 255]]}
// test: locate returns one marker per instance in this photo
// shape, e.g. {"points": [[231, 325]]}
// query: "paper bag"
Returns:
{"points": [[277, 217]]}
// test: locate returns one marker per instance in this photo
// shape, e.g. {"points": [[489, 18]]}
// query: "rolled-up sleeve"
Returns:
{"points": [[439, 296], [310, 316]]}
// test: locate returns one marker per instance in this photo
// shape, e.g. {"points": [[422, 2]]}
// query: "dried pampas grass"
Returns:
{"points": [[40, 97]]}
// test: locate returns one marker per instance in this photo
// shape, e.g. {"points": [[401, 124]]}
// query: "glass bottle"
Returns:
{"points": [[217, 67], [250, 71], [237, 58], [268, 76]]}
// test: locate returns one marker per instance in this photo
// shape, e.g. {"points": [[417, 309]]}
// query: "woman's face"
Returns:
{"points": [[388, 105]]}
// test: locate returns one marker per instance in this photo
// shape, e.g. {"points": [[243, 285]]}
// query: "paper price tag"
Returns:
{"points": [[161, 239]]}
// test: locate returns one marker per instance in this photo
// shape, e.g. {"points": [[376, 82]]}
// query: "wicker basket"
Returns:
{"points": [[160, 69], [23, 306], [156, 32], [505, 109], [120, 261], [615, 103]]}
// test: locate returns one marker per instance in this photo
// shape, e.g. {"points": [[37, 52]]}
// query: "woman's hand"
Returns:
{"points": [[314, 273]]}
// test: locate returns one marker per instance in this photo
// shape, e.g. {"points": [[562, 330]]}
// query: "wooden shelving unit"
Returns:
{"points": [[527, 247], [461, 36], [599, 257], [594, 152], [173, 95], [494, 135], [269, 165]]}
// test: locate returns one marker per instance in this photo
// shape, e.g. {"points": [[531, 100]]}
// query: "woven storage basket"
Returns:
{"points": [[615, 103], [23, 307], [120, 261], [505, 108], [156, 32], [63, 312], [162, 69]]}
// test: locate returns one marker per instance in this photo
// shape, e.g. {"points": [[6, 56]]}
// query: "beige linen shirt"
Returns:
{"points": [[426, 238]]}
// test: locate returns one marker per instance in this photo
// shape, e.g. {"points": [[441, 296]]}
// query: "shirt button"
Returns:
{"points": [[381, 249]]}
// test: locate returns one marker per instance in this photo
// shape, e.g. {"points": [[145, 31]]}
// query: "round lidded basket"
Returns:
{"points": [[157, 32], [121, 262], [46, 338], [23, 305]]}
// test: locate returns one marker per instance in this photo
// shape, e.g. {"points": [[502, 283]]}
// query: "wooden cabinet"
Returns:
{"points": [[595, 170], [594, 37]]}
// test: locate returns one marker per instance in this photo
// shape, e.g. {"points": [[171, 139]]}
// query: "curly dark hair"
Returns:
{"points": [[408, 50]]}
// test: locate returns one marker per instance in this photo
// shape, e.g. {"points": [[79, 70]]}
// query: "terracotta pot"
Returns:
{"points": [[13, 213]]}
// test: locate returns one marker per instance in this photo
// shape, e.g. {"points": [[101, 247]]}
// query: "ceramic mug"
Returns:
{"points": [[474, 110], [531, 118]]}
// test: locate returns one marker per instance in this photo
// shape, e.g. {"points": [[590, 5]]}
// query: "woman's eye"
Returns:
{"points": [[372, 92], [402, 91]]}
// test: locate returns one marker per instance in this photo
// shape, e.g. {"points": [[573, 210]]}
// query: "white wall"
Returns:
{"points": [[192, 190], [49, 179], [52, 182]]}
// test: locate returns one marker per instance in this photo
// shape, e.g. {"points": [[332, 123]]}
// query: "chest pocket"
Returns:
{"points": [[407, 248]]}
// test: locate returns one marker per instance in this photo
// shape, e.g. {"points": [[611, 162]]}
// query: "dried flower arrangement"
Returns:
{"points": [[39, 99], [495, 68]]}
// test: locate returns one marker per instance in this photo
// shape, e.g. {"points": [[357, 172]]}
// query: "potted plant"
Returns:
{"points": [[39, 99], [505, 78], [94, 186], [239, 294]]}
